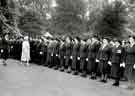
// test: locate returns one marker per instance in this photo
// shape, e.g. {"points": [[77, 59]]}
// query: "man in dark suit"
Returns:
{"points": [[5, 48]]}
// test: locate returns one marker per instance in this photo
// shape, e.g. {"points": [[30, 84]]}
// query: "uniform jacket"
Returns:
{"points": [[130, 55], [93, 50], [116, 55], [83, 51], [62, 50], [75, 52], [104, 54], [68, 47]]}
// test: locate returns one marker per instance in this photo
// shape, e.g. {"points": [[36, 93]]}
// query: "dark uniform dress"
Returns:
{"points": [[92, 53], [62, 50], [68, 52], [83, 56], [103, 57], [116, 60], [57, 59], [49, 55], [54, 55], [44, 53], [32, 52], [130, 61], [75, 55], [41, 53], [5, 48]]}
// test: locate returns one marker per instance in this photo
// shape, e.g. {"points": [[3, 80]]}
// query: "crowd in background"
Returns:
{"points": [[93, 57]]}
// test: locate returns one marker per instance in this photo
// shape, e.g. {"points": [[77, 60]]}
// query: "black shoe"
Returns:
{"points": [[75, 73], [116, 84], [62, 69], [68, 71], [101, 80], [4, 64], [50, 66], [83, 75], [104, 81], [93, 77], [55, 68]]}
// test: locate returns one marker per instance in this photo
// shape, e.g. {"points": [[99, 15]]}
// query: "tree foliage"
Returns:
{"points": [[30, 24], [112, 20], [69, 17]]}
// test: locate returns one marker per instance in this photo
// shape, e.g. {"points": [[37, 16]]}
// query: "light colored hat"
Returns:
{"points": [[26, 38]]}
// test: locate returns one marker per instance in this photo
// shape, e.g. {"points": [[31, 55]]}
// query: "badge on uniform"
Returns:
{"points": [[119, 51]]}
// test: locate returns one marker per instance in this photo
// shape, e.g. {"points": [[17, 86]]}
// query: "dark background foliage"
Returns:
{"points": [[68, 17]]}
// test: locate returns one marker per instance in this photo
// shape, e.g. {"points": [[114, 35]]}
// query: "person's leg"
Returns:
{"points": [[83, 68], [116, 82], [4, 62], [62, 63], [27, 63], [117, 74], [69, 65]]}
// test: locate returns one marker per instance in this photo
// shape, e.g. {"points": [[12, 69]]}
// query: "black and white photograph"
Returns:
{"points": [[67, 47]]}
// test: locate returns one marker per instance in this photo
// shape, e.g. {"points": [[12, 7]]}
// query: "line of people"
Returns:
{"points": [[86, 57]]}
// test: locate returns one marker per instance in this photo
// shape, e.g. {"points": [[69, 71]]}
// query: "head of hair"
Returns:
{"points": [[132, 37], [107, 38], [77, 38], [119, 42]]}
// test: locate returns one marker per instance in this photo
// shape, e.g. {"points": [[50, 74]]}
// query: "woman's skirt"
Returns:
{"points": [[103, 67], [115, 70], [130, 72]]}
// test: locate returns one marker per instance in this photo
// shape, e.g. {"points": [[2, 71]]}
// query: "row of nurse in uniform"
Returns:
{"points": [[86, 57], [91, 56]]}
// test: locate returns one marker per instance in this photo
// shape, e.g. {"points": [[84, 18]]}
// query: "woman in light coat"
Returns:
{"points": [[25, 56]]}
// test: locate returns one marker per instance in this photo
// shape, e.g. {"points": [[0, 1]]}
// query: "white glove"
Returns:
{"points": [[1, 50], [122, 65], [71, 57], [11, 47], [78, 58], [41, 53], [109, 62], [97, 60], [134, 66], [64, 56], [87, 59], [119, 51], [56, 55], [52, 54]]}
